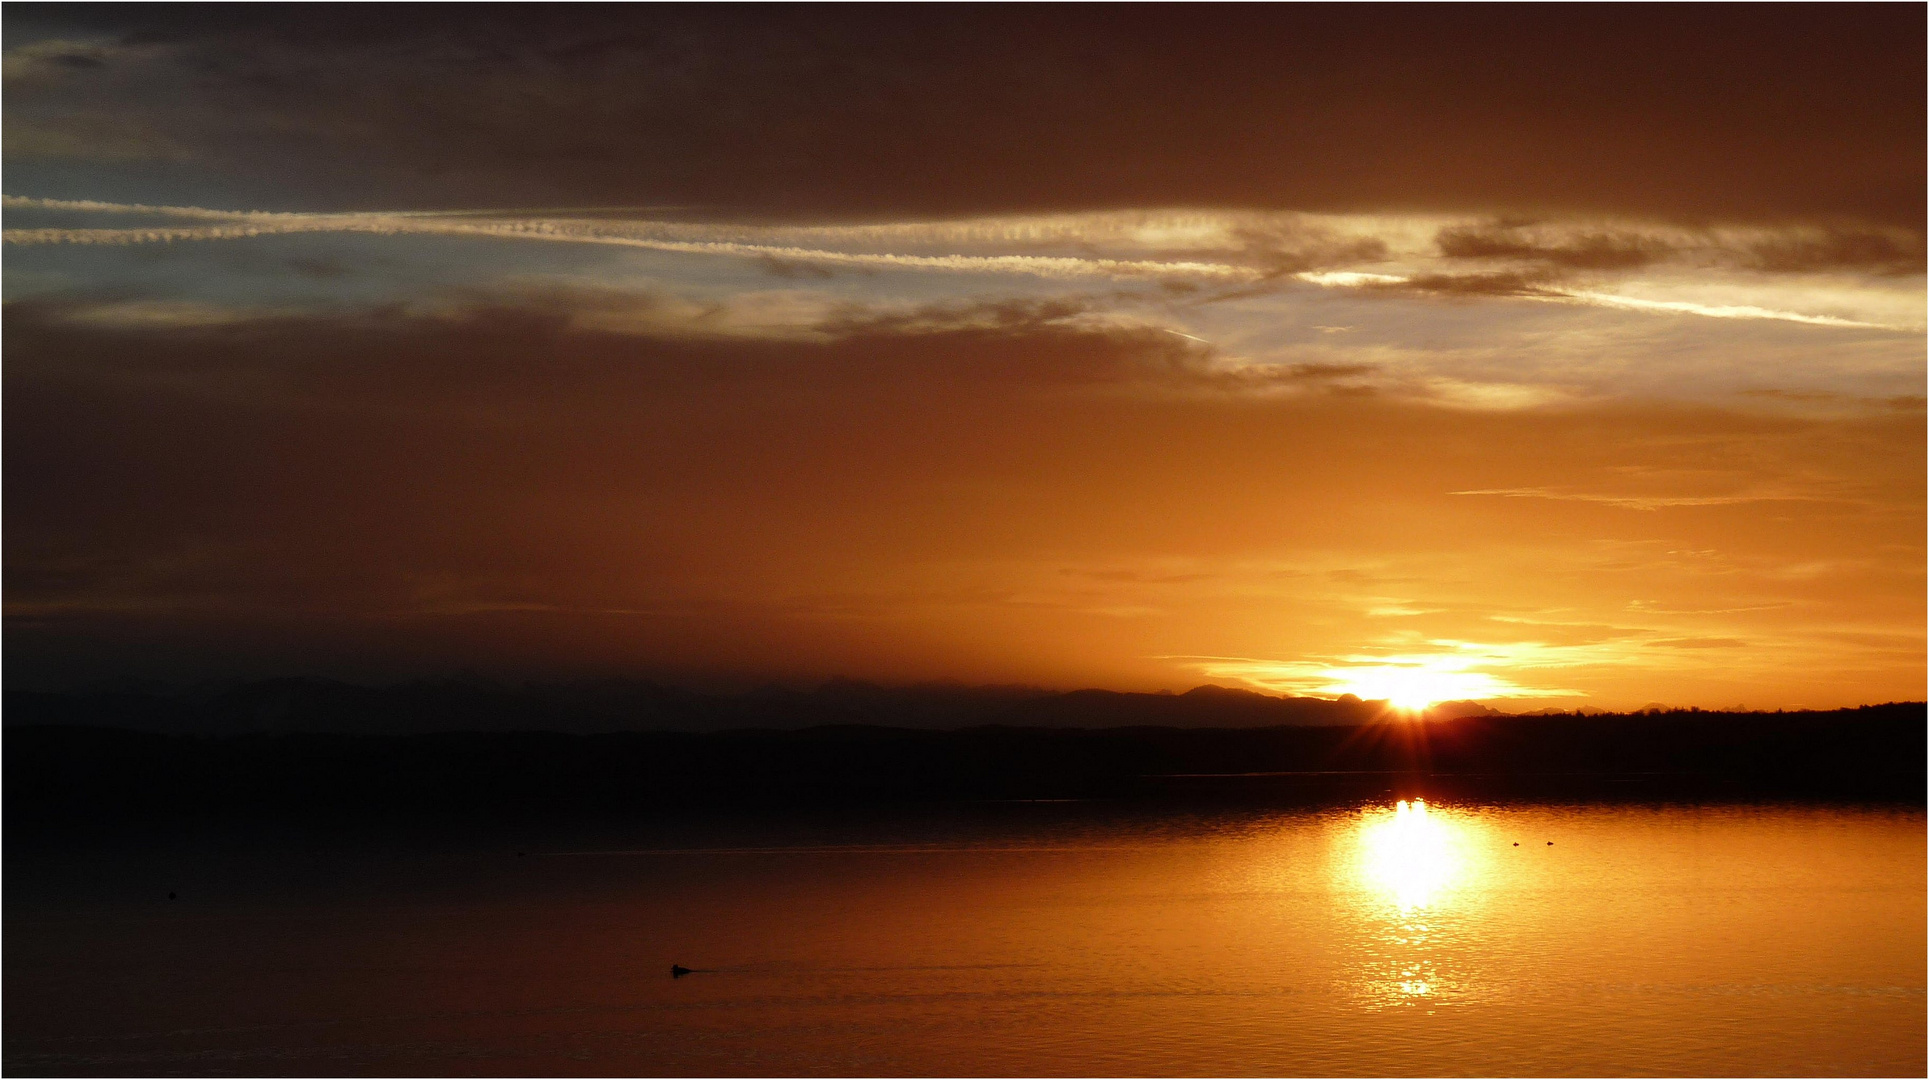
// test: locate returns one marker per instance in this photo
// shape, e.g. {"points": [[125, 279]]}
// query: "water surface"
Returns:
{"points": [[1031, 940]]}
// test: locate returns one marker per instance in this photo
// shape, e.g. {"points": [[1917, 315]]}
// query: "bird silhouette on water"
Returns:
{"points": [[678, 971]]}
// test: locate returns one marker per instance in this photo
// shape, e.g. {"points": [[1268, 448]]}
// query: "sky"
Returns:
{"points": [[1542, 356]]}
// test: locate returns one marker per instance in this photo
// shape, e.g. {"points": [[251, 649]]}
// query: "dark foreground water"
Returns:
{"points": [[1042, 939]]}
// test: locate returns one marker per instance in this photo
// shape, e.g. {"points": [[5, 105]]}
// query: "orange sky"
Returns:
{"points": [[1605, 444]]}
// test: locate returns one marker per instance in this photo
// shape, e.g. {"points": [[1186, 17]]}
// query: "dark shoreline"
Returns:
{"points": [[58, 776]]}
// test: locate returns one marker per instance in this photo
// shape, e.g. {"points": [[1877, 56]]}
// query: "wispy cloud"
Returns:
{"points": [[1531, 286], [1639, 502], [1252, 250], [634, 235], [1722, 311], [1406, 675]]}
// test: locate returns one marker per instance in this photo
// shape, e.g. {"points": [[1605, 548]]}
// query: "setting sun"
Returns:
{"points": [[1417, 683], [1410, 676]]}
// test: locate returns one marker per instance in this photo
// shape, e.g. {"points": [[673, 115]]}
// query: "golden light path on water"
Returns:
{"points": [[1413, 873]]}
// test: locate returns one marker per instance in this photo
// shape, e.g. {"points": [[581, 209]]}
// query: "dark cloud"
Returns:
{"points": [[1694, 112], [1509, 283], [1596, 251], [1330, 371], [1880, 252], [792, 269]]}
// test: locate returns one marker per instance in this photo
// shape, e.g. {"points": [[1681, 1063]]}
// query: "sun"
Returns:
{"points": [[1413, 686], [1416, 701], [1404, 689], [1410, 681]]}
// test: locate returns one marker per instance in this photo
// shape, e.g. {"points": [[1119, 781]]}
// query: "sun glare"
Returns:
{"points": [[1411, 680], [1414, 686]]}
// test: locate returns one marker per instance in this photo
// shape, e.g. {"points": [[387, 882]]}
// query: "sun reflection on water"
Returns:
{"points": [[1410, 855], [1412, 873]]}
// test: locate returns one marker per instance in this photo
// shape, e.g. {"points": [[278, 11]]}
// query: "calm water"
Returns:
{"points": [[1030, 940]]}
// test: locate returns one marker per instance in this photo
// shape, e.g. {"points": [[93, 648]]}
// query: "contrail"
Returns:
{"points": [[648, 235], [739, 242]]}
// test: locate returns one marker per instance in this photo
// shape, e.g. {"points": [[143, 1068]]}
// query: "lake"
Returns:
{"points": [[1060, 939]]}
